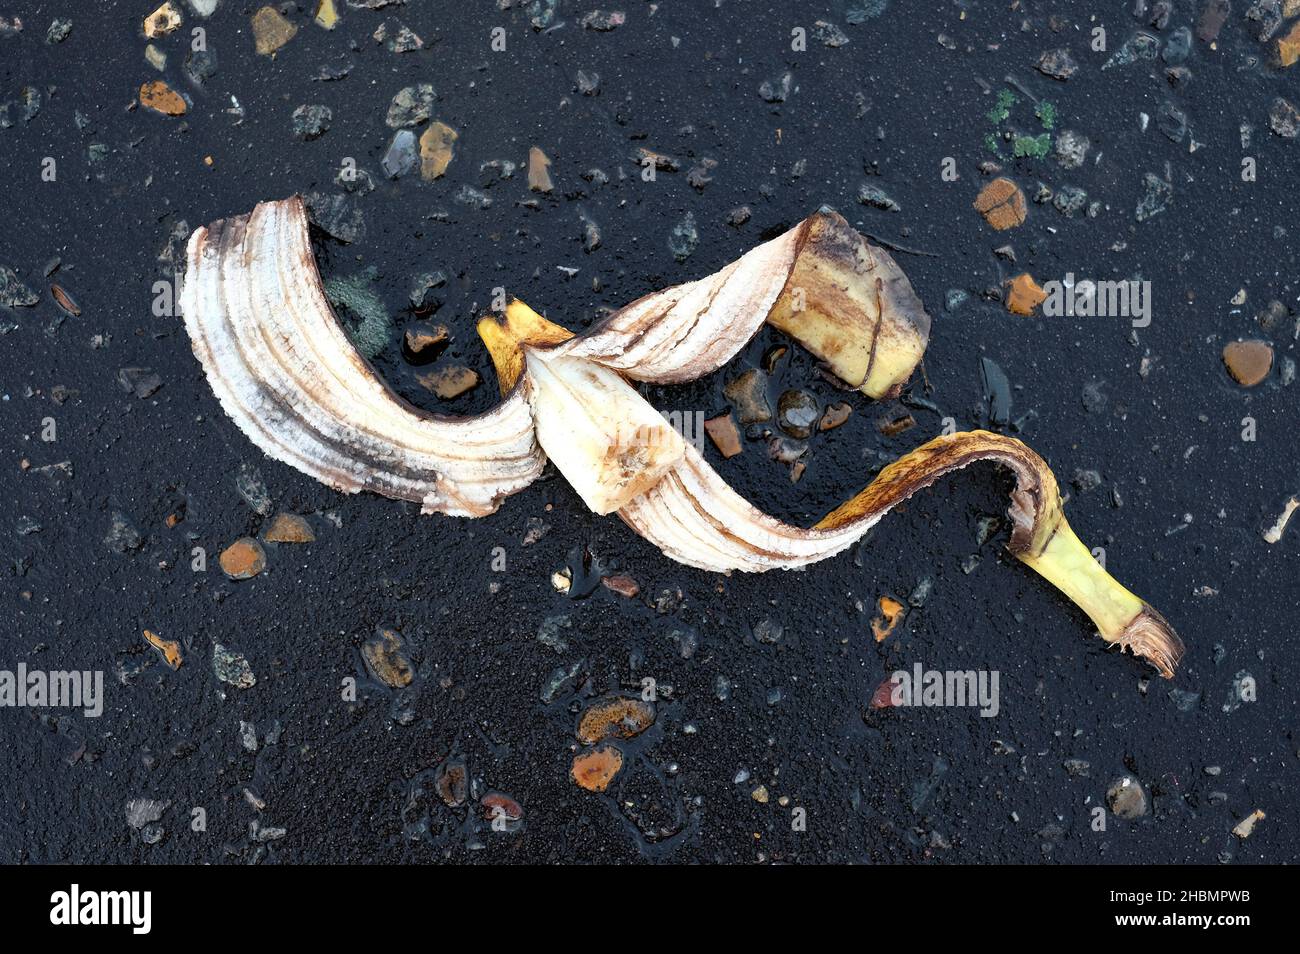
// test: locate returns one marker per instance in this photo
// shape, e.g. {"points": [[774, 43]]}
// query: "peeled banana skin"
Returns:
{"points": [[283, 369]]}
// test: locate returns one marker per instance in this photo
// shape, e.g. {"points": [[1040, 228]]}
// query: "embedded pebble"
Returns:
{"points": [[594, 770], [1249, 362], [1126, 798], [243, 559], [619, 718], [232, 668], [411, 106]]}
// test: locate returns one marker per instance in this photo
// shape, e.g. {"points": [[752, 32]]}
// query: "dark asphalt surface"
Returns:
{"points": [[351, 780]]}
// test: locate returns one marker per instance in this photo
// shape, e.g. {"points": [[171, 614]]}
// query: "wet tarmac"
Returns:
{"points": [[764, 745]]}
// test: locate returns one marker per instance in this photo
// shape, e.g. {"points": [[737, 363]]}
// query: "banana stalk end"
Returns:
{"points": [[1150, 636], [1041, 537], [1121, 618]]}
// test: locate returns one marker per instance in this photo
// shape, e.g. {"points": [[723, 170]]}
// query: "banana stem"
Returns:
{"points": [[1120, 616], [1040, 535]]}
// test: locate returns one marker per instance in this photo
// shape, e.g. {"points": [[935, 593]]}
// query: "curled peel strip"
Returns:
{"points": [[284, 371], [287, 375]]}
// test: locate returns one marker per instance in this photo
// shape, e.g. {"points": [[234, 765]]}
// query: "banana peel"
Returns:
{"points": [[284, 370], [691, 514]]}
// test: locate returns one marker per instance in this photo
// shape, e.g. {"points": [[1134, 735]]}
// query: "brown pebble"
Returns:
{"points": [[797, 412], [437, 149], [162, 21], [773, 358], [289, 528], [161, 98], [722, 431], [1248, 361], [169, 649], [1002, 204], [883, 697], [892, 428], [501, 808], [451, 781], [271, 30], [1288, 47], [615, 718], [1024, 294], [450, 382], [243, 559], [539, 175], [622, 584], [594, 770], [385, 657], [748, 395], [834, 416], [424, 341], [65, 301], [891, 611]]}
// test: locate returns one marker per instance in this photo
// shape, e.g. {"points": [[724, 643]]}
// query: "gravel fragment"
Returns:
{"points": [[684, 237], [1058, 64], [250, 485], [1126, 798], [874, 196], [58, 31], [776, 90], [311, 121], [232, 668], [401, 156], [603, 20], [1284, 118], [1078, 768], [828, 34], [337, 215], [1071, 148], [411, 106], [144, 811], [122, 536], [1156, 198], [13, 293]]}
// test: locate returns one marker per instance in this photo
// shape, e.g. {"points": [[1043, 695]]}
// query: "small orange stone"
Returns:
{"points": [[1002, 204], [1288, 47], [161, 98], [622, 584], [271, 30], [834, 416], [243, 559], [891, 611], [615, 718], [289, 528], [1248, 361], [594, 770], [722, 431], [169, 649], [450, 382], [1024, 294], [437, 149]]}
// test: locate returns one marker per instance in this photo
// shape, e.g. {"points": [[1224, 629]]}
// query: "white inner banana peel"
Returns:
{"points": [[285, 372], [607, 440]]}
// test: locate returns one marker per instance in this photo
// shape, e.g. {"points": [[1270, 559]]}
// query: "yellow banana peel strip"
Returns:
{"points": [[285, 372], [696, 518]]}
